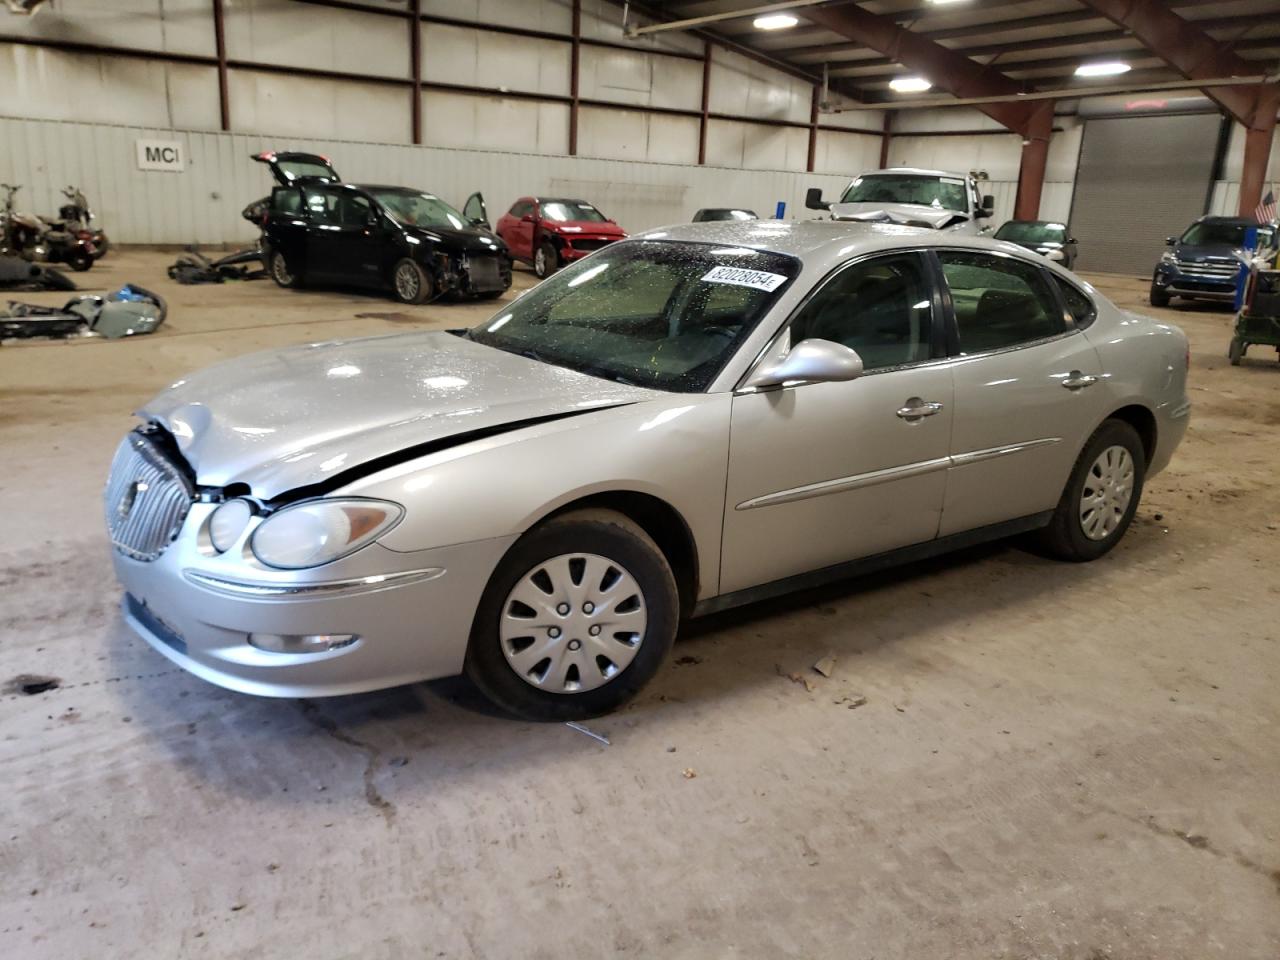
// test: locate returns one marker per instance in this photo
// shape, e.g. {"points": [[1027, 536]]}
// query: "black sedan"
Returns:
{"points": [[1047, 238], [393, 238]]}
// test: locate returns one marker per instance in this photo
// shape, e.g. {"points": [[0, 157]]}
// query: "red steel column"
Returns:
{"points": [[1257, 150], [813, 128], [1035, 158], [575, 54], [220, 44], [415, 66], [706, 101]]}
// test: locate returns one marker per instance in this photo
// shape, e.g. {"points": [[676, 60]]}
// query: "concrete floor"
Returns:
{"points": [[1053, 761]]}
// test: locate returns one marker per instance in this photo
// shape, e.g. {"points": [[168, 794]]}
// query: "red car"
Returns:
{"points": [[549, 233]]}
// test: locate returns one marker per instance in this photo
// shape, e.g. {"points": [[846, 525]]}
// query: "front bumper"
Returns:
{"points": [[570, 253], [1183, 285], [191, 609]]}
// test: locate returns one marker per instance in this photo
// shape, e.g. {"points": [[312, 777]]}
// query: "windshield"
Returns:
{"points": [[652, 313], [566, 210], [419, 209], [945, 193], [1222, 235], [1032, 231], [297, 169]]}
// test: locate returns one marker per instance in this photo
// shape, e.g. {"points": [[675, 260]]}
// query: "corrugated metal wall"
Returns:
{"points": [[203, 203]]}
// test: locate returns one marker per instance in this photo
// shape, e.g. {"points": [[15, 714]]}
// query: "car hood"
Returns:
{"points": [[608, 228], [908, 214], [466, 240], [291, 418], [1213, 251]]}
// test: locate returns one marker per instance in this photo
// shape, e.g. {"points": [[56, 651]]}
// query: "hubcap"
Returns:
{"points": [[1108, 488], [540, 261], [573, 623], [407, 282]]}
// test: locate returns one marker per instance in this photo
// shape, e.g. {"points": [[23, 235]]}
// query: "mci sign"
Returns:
{"points": [[161, 155]]}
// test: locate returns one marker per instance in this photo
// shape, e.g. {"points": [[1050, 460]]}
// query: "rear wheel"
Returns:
{"points": [[80, 260], [281, 273], [1159, 296], [1235, 352], [1101, 497], [576, 619], [545, 261], [410, 282]]}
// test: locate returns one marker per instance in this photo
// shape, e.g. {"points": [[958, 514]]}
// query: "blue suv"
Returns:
{"points": [[1204, 263]]}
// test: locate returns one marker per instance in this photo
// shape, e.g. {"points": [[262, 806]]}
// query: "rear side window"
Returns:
{"points": [[322, 204], [286, 200], [1079, 306], [999, 301]]}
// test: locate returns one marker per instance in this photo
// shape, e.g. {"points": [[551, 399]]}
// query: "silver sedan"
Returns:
{"points": [[685, 421]]}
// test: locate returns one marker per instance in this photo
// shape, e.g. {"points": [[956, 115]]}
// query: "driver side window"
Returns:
{"points": [[881, 308]]}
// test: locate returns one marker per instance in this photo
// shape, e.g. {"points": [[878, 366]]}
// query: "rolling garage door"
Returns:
{"points": [[1140, 179]]}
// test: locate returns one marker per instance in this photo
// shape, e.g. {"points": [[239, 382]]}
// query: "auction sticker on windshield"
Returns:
{"points": [[737, 276]]}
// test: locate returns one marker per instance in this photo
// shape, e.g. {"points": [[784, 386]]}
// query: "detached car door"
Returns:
{"points": [[823, 473], [1026, 389]]}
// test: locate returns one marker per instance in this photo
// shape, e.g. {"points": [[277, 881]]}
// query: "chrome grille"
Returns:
{"points": [[147, 499], [1210, 269]]}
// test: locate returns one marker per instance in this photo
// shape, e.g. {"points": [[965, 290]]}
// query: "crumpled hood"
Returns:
{"points": [[289, 418], [908, 214]]}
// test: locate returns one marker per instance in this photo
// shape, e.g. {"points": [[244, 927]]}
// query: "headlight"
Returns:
{"points": [[320, 531], [1168, 257], [227, 523]]}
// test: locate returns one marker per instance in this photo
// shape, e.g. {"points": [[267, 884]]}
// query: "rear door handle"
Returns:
{"points": [[1075, 380], [915, 409]]}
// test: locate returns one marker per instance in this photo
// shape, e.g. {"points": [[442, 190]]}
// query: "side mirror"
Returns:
{"points": [[812, 361], [1170, 241], [988, 204], [813, 199], [1071, 239]]}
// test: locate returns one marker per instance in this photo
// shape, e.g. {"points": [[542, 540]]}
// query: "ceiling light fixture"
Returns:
{"points": [[774, 21], [909, 84], [943, 3], [1108, 68]]}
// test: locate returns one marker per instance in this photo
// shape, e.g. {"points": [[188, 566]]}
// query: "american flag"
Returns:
{"points": [[1266, 210]]}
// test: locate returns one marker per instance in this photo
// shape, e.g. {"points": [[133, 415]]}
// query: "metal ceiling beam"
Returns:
{"points": [[780, 7], [946, 69], [1184, 46]]}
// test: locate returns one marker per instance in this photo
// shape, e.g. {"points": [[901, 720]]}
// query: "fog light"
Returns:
{"points": [[301, 642]]}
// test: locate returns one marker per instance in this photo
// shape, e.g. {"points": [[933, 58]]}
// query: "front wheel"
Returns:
{"points": [[1101, 497], [576, 619], [1159, 296], [410, 282], [545, 261], [80, 260]]}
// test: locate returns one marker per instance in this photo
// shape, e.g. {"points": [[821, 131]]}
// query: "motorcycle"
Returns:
{"points": [[27, 236], [77, 216]]}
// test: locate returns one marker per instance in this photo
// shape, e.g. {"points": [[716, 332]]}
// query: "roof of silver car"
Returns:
{"points": [[816, 239]]}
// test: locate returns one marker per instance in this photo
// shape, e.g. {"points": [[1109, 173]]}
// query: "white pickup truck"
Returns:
{"points": [[923, 198]]}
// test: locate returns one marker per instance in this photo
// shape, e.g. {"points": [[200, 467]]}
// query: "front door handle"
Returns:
{"points": [[915, 409], [1075, 380]]}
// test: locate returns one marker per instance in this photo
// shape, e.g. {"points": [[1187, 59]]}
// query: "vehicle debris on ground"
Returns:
{"points": [[193, 267], [127, 312], [19, 274]]}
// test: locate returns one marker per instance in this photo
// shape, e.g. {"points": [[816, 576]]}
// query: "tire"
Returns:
{"points": [[410, 283], [545, 261], [1235, 352], [506, 665], [281, 274], [1075, 535], [1159, 298], [80, 261]]}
